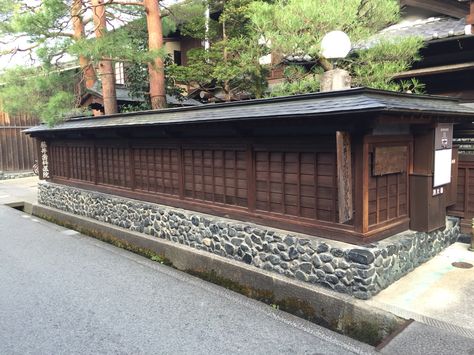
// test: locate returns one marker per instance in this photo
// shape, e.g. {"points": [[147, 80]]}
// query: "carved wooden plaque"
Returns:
{"points": [[344, 176], [390, 160]]}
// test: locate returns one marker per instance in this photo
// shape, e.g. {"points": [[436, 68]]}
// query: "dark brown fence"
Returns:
{"points": [[17, 150]]}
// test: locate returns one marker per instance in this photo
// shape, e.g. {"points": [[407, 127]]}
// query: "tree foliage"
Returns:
{"points": [[239, 33], [41, 30], [296, 28], [46, 33], [374, 67], [24, 90], [231, 63]]}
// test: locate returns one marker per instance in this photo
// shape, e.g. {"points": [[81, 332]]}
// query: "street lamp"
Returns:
{"points": [[335, 45]]}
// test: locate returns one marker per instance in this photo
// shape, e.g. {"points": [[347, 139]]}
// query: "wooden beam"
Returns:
{"points": [[441, 69], [446, 7]]}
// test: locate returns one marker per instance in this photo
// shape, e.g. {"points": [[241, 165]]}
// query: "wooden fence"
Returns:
{"points": [[17, 150]]}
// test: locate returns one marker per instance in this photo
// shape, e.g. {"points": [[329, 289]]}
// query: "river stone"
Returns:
{"points": [[256, 239], [236, 241], [337, 252], [293, 253], [305, 258], [300, 275], [267, 266], [229, 248], [247, 258], [361, 256], [274, 259], [328, 268], [282, 246], [306, 267], [316, 260], [322, 248], [332, 279], [325, 257]]}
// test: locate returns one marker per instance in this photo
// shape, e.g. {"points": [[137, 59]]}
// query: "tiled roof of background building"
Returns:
{"points": [[430, 29]]}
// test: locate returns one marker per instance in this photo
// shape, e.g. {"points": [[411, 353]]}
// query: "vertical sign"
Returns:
{"points": [[44, 160], [443, 154], [344, 176]]}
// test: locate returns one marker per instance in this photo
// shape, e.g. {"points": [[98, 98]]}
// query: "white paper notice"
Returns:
{"points": [[442, 167]]}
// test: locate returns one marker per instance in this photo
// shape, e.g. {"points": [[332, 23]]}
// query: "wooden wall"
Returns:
{"points": [[295, 183], [388, 195], [385, 184], [17, 150], [284, 182]]}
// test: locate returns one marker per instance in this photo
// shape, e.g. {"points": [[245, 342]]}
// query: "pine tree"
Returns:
{"points": [[295, 28]]}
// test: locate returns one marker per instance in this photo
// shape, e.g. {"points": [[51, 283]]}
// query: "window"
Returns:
{"points": [[119, 74], [177, 57]]}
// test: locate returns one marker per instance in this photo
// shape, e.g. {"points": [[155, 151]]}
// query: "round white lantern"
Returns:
{"points": [[335, 44]]}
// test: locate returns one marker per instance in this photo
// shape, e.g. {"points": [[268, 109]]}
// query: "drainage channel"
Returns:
{"points": [[20, 206], [354, 319]]}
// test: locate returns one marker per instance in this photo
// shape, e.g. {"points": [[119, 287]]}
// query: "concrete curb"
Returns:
{"points": [[330, 309]]}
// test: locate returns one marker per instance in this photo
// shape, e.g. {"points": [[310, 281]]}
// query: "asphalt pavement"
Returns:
{"points": [[64, 293]]}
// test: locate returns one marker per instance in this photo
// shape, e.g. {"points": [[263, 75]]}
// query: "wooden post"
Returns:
{"points": [[339, 79], [470, 17], [336, 79]]}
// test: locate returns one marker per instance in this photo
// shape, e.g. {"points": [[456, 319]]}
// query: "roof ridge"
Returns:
{"points": [[420, 22]]}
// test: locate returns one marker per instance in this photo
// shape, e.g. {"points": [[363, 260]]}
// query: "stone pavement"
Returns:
{"points": [[18, 190], [436, 295], [421, 339]]}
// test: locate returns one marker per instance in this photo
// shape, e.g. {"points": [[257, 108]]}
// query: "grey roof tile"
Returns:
{"points": [[431, 28], [316, 105], [123, 94]]}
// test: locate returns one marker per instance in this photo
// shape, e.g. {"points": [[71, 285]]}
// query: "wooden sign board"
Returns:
{"points": [[344, 176], [442, 167], [390, 160], [444, 136]]}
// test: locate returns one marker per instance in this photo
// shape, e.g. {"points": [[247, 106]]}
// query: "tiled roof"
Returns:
{"points": [[123, 94], [348, 102], [431, 28]]}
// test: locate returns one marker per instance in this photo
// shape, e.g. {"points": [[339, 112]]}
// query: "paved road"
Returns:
{"points": [[63, 293]]}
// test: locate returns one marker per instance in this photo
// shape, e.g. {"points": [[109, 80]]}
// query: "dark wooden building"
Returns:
{"points": [[355, 165], [446, 68]]}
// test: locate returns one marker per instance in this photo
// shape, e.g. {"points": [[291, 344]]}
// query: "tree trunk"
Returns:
{"points": [[155, 42], [79, 33], [226, 88], [106, 69]]}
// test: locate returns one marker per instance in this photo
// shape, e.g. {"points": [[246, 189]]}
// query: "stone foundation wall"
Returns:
{"points": [[358, 271]]}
